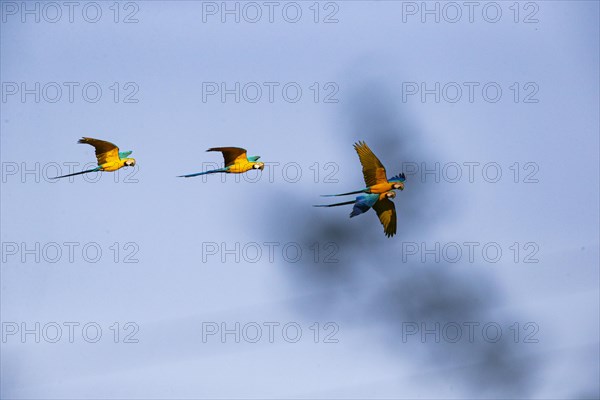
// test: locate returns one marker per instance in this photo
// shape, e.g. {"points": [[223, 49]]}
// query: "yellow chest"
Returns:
{"points": [[240, 168], [113, 165], [381, 188]]}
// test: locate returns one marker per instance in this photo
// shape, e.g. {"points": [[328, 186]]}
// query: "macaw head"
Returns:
{"points": [[390, 195], [124, 154], [129, 162], [259, 165], [398, 181], [398, 185]]}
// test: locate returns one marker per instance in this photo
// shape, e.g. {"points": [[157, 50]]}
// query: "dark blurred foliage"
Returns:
{"points": [[371, 286]]}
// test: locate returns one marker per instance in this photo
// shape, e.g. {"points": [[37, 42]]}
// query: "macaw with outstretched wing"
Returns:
{"points": [[236, 162], [108, 155], [382, 205], [374, 174]]}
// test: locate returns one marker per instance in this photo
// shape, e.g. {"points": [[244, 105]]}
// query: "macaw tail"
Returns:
{"points": [[343, 194], [79, 173], [335, 205], [214, 171]]}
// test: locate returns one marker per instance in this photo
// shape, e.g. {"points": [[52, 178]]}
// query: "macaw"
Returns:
{"points": [[108, 155], [236, 162], [374, 174], [381, 203]]}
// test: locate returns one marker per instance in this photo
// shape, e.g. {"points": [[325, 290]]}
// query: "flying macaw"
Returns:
{"points": [[236, 162], [108, 155], [374, 174], [381, 203]]}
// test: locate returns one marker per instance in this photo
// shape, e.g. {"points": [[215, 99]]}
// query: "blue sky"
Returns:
{"points": [[369, 57]]}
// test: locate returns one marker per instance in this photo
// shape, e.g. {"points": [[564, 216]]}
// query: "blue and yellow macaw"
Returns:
{"points": [[381, 203], [374, 174], [108, 155], [236, 162]]}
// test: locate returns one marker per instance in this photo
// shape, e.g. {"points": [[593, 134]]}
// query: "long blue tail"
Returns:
{"points": [[78, 173], [343, 194], [214, 171], [335, 205]]}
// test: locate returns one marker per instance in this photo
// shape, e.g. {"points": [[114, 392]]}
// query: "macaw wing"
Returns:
{"points": [[368, 199], [386, 211], [231, 154], [363, 204], [105, 151], [373, 169]]}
